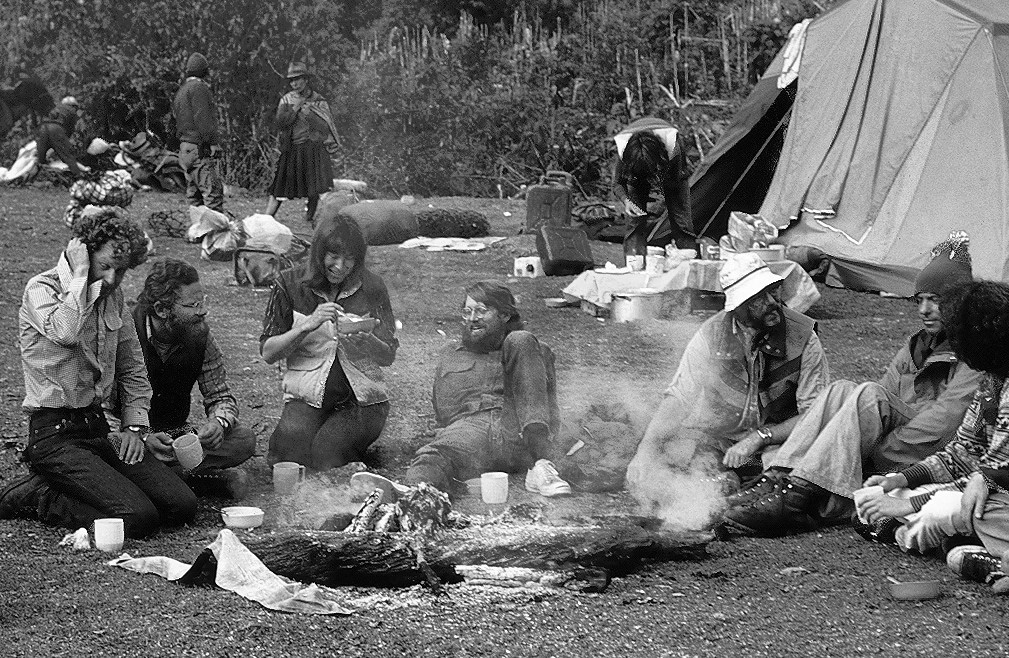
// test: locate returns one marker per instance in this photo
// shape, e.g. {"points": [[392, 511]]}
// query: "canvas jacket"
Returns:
{"points": [[939, 391]]}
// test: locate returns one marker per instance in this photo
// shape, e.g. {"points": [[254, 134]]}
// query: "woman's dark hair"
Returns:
{"points": [[110, 224], [499, 298], [976, 318], [644, 155], [335, 233], [165, 279]]}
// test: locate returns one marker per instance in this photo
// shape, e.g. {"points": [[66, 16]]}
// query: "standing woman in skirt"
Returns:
{"points": [[306, 139]]}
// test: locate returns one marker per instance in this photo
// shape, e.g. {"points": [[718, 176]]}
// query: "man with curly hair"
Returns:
{"points": [[962, 491], [180, 352], [78, 343]]}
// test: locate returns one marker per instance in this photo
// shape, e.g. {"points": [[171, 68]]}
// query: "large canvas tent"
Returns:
{"points": [[898, 134]]}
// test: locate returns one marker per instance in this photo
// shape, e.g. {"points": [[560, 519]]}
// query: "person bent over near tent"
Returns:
{"points": [[653, 165], [495, 403], [962, 491], [180, 352], [744, 379], [54, 133], [910, 413], [78, 342]]}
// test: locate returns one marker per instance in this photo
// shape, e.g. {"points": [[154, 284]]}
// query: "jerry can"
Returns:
{"points": [[563, 250], [549, 203]]}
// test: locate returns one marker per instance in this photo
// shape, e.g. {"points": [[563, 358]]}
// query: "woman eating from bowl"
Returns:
{"points": [[331, 319]]}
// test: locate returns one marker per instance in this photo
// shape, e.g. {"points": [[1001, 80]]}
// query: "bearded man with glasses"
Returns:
{"points": [[180, 351], [495, 403]]}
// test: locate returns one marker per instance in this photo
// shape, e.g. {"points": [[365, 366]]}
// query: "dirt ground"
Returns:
{"points": [[821, 593]]}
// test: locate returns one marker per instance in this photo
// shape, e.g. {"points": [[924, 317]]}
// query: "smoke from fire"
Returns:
{"points": [[682, 489]]}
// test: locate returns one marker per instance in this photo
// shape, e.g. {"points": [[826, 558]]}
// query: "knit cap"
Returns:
{"points": [[950, 265], [197, 65]]}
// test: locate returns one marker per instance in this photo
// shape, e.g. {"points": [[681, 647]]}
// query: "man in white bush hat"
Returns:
{"points": [[744, 379]]}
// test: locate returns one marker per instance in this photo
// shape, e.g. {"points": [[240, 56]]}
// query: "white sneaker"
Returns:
{"points": [[363, 483], [543, 479]]}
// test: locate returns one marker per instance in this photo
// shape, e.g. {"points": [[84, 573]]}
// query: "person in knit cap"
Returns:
{"points": [[199, 141], [959, 496], [874, 427]]}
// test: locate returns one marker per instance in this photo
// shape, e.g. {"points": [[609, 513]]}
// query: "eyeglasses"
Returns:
{"points": [[201, 304], [468, 312]]}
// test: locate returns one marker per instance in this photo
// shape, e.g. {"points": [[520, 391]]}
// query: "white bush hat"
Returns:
{"points": [[743, 276]]}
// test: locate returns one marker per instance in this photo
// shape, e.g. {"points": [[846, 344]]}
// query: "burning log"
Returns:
{"points": [[614, 545]]}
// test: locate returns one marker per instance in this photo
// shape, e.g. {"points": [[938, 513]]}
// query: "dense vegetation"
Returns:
{"points": [[432, 96]]}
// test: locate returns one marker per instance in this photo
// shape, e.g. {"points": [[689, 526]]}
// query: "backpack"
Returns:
{"points": [[259, 267]]}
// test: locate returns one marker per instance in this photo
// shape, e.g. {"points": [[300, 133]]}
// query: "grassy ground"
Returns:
{"points": [[818, 593]]}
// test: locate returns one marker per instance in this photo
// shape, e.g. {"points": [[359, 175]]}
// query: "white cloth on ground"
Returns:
{"points": [[241, 572]]}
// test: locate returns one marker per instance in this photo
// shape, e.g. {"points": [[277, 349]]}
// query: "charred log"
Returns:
{"points": [[616, 546]]}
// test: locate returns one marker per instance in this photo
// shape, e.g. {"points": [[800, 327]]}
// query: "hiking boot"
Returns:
{"points": [[883, 531], [20, 498], [544, 479], [229, 483], [784, 510], [976, 564], [763, 486], [363, 483]]}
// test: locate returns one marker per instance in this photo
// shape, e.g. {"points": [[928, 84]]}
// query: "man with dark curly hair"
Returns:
{"points": [[180, 352], [78, 343], [963, 490]]}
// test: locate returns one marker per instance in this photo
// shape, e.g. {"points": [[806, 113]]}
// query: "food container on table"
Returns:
{"points": [[771, 253]]}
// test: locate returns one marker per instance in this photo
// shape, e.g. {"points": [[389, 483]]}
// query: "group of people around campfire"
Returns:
{"points": [[108, 388]]}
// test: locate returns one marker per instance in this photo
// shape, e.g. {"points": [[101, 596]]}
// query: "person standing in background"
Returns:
{"points": [[307, 138], [199, 147]]}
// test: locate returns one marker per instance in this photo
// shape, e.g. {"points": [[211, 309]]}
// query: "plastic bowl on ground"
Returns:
{"points": [[918, 590], [242, 517]]}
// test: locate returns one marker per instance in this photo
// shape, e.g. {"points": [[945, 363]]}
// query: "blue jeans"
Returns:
{"points": [[70, 450], [322, 439]]}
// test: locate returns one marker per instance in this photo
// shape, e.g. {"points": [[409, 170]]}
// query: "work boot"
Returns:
{"points": [[976, 564], [20, 498], [763, 486], [229, 483], [784, 510], [544, 479]]}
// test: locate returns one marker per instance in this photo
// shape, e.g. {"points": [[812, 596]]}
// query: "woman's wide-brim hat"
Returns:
{"points": [[297, 70]]}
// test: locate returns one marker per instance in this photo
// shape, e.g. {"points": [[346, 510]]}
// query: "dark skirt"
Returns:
{"points": [[303, 171]]}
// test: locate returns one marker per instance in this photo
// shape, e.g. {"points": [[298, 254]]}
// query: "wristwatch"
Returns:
{"points": [[765, 434], [139, 429], [224, 424]]}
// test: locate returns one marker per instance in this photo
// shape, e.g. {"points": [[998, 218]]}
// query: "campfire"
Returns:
{"points": [[421, 539]]}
